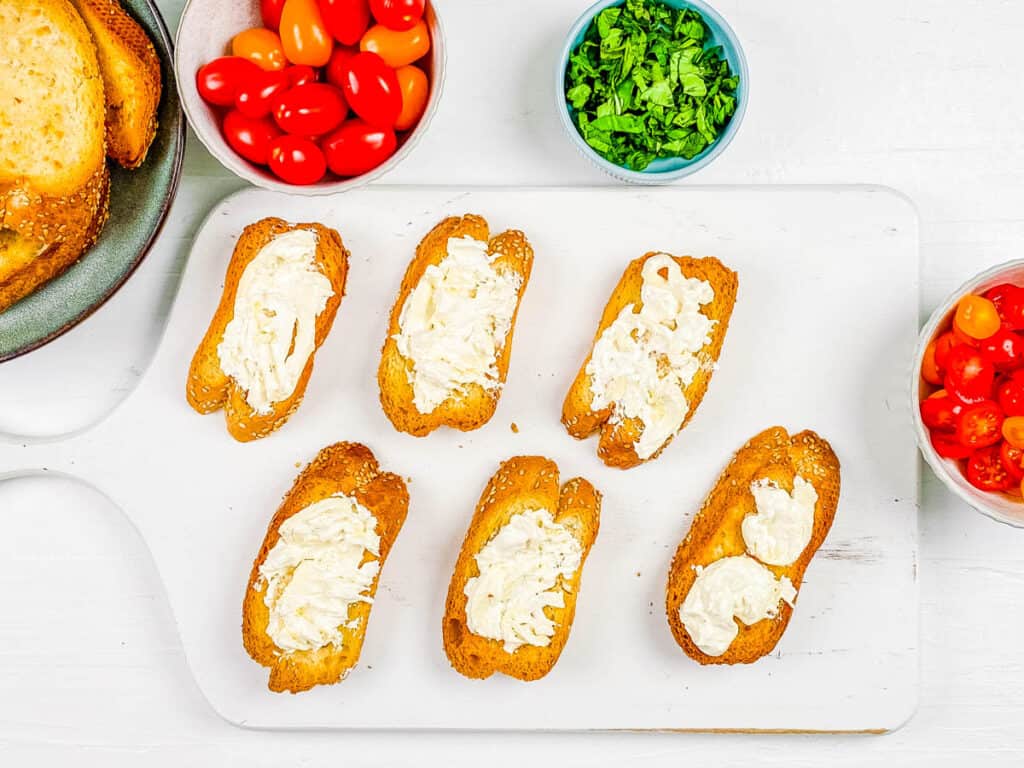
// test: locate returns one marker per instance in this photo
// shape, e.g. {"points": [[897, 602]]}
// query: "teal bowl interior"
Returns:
{"points": [[664, 168]]}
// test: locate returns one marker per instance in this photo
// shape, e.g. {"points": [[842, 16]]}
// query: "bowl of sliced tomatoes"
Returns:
{"points": [[309, 96], [968, 392]]}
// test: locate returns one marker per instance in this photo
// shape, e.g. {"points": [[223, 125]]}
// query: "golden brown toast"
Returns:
{"points": [[131, 79], [716, 531], [208, 388], [616, 446], [474, 408], [521, 483], [351, 469]]}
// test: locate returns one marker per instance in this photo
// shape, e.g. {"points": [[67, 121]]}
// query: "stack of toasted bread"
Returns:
{"points": [[79, 80]]}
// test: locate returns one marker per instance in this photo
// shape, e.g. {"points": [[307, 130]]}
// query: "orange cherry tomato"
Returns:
{"points": [[260, 46], [977, 317], [414, 87], [303, 33], [397, 48], [1013, 431], [929, 368]]}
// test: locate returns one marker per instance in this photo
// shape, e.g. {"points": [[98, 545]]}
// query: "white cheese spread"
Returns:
{"points": [[729, 589], [519, 572], [325, 560], [781, 528], [454, 323], [272, 331], [646, 358]]}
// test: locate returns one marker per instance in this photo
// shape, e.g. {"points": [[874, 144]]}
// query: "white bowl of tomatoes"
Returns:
{"points": [[968, 392], [309, 97]]}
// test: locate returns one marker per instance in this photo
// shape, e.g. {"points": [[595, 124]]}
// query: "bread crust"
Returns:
{"points": [[351, 469], [208, 388], [522, 482], [716, 531], [475, 407], [616, 446]]}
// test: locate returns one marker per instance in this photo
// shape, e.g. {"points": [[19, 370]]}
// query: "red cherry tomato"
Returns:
{"points": [[371, 88], [1009, 301], [943, 346], [980, 424], [303, 34], [970, 376], [1010, 396], [336, 70], [346, 20], [940, 412], [1013, 460], [986, 472], [948, 447], [1004, 348], [254, 99], [219, 81], [397, 14], [358, 147], [310, 110], [397, 48], [270, 12], [250, 137], [261, 46], [415, 89], [300, 74], [297, 160]]}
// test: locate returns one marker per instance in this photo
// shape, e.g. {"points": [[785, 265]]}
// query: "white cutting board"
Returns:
{"points": [[820, 338]]}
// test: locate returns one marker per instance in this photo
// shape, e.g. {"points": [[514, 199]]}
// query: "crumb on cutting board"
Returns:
{"points": [[514, 427]]}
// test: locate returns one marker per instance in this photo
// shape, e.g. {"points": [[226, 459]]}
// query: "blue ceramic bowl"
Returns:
{"points": [[663, 169]]}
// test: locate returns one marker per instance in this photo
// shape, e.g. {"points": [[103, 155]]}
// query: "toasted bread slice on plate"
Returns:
{"points": [[54, 185], [308, 600], [283, 286], [530, 537], [655, 360], [766, 545], [431, 373], [131, 79]]}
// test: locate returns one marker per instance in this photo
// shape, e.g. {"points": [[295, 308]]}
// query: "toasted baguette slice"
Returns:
{"points": [[131, 79], [616, 446], [351, 469], [208, 388], [521, 483], [474, 408], [716, 531]]}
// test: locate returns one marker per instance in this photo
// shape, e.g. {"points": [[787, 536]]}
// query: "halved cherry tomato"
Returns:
{"points": [[949, 447], [397, 48], [397, 14], [1010, 396], [254, 99], [260, 46], [371, 88], [310, 110], [219, 81], [346, 20], [1009, 301], [1013, 431], [930, 371], [300, 74], [970, 376], [976, 316], [1004, 348], [1013, 459], [980, 424], [943, 346], [297, 160], [337, 68], [250, 137], [304, 35], [415, 88], [939, 411], [985, 470], [358, 147], [270, 12]]}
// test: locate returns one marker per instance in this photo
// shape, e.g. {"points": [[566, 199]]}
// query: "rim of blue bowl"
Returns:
{"points": [[723, 33]]}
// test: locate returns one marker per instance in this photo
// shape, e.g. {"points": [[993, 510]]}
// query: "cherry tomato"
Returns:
{"points": [[1013, 461], [371, 88], [977, 317], [980, 424], [397, 48], [300, 74], [1013, 431], [303, 34], [1010, 396], [219, 81], [930, 370], [415, 88], [397, 14], [949, 447], [346, 20], [261, 46], [985, 470], [250, 137], [1009, 301], [297, 160], [358, 147], [939, 411], [337, 68], [970, 376], [310, 110], [270, 12], [943, 346], [254, 99], [1004, 348]]}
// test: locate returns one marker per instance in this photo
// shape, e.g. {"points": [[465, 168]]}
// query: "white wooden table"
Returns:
{"points": [[918, 94]]}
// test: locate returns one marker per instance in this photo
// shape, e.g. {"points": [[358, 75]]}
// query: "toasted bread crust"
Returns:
{"points": [[473, 409], [522, 482], [716, 531], [616, 446], [208, 388], [351, 469]]}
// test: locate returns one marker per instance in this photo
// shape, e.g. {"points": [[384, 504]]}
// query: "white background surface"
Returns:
{"points": [[920, 95]]}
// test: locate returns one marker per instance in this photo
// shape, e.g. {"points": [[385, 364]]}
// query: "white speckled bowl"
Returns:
{"points": [[999, 506], [205, 33]]}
